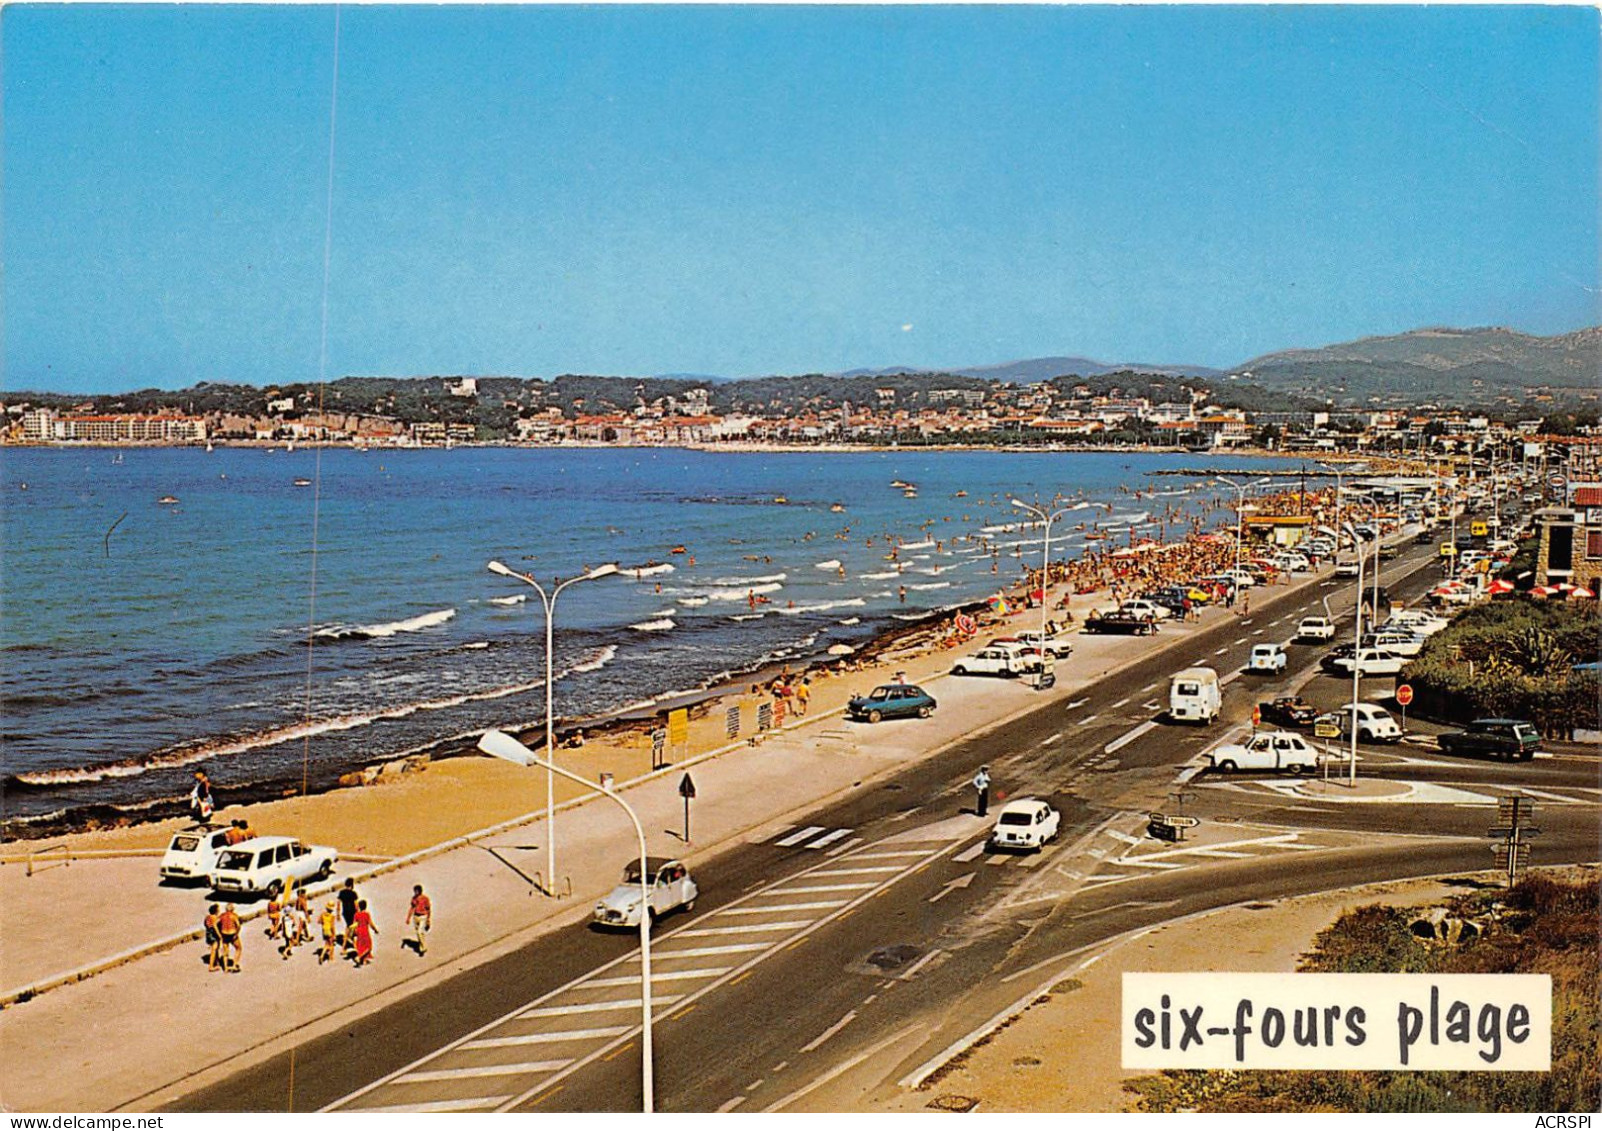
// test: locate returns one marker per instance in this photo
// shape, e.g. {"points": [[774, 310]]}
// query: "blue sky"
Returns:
{"points": [[738, 190]]}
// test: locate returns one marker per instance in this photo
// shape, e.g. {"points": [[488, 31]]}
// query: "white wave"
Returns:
{"points": [[927, 543], [910, 616], [933, 571], [832, 563], [653, 625], [383, 631], [852, 620], [932, 585], [518, 599], [1008, 528], [748, 616], [667, 612], [602, 657], [476, 646], [646, 570], [1129, 519], [694, 602], [764, 579], [882, 576], [822, 606], [970, 549], [742, 594]]}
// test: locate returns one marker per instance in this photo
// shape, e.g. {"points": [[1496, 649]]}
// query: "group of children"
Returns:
{"points": [[344, 923]]}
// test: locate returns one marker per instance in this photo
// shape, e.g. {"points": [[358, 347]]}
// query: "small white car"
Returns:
{"points": [[1293, 563], [1315, 628], [1395, 640], [1417, 621], [1267, 659], [1346, 567], [192, 854], [1058, 644], [998, 659], [1142, 608], [266, 865], [1371, 661], [1025, 823], [670, 887], [1374, 723], [1270, 750]]}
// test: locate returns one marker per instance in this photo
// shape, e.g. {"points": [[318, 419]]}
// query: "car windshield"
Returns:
{"points": [[184, 843], [1523, 731], [880, 693], [1015, 819], [1188, 689], [236, 861]]}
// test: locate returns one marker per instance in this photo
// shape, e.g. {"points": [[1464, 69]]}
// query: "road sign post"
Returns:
{"points": [[687, 791], [1513, 853], [1404, 696]]}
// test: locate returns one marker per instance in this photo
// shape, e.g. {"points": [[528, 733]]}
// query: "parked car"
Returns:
{"points": [[1293, 563], [1394, 640], [1346, 566], [1057, 644], [1374, 723], [999, 658], [892, 701], [1512, 739], [1370, 661], [1416, 621], [1315, 628], [266, 865], [1194, 696], [1119, 621], [1143, 608], [670, 888], [1025, 823], [192, 853], [1288, 711], [1267, 659], [1271, 750]]}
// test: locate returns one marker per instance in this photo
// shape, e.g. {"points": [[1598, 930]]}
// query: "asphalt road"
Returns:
{"points": [[935, 936]]}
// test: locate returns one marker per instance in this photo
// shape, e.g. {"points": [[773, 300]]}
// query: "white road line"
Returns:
{"points": [[598, 1006], [969, 853], [796, 838], [730, 1105], [665, 975], [846, 847], [998, 860], [890, 854], [1050, 740], [1150, 705], [1076, 703], [784, 907], [825, 841], [1221, 651], [1125, 739], [907, 974], [868, 871], [823, 888], [1128, 862], [1229, 679], [830, 1031], [1031, 861], [1242, 640], [747, 929], [1125, 837], [1151, 687], [546, 1038], [1220, 852], [709, 951], [1558, 797], [434, 1075], [1118, 704], [1258, 632], [437, 1105], [1087, 720]]}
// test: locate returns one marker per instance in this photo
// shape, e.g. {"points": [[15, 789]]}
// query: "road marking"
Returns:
{"points": [[1125, 837], [996, 861], [784, 907], [434, 1075], [1087, 720], [891, 854], [546, 1038], [1118, 704], [708, 951], [1151, 687], [730, 1105], [907, 974], [747, 929], [868, 871], [1541, 793], [846, 847], [1031, 861], [1229, 679], [664, 975], [1220, 852], [1076, 703], [1242, 640], [830, 1031], [1134, 862], [970, 852], [796, 838], [1258, 632], [1129, 736], [1049, 741], [1150, 705], [827, 887], [1221, 651], [830, 838], [961, 881], [435, 1106], [597, 1006], [842, 1069]]}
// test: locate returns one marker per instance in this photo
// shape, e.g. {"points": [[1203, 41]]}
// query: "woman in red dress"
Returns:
{"points": [[364, 928]]}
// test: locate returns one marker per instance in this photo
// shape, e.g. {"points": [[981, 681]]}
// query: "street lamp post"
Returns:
{"points": [[1045, 575], [503, 745], [549, 602], [1240, 519], [1357, 646]]}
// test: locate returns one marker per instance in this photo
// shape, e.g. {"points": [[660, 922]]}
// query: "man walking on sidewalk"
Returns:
{"points": [[420, 917], [981, 782]]}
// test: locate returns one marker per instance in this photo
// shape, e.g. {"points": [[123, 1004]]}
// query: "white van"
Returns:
{"points": [[1193, 696]]}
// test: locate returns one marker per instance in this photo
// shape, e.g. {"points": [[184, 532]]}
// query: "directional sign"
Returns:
{"points": [[1184, 822], [686, 787], [1404, 694], [1509, 807], [1326, 730], [961, 881]]}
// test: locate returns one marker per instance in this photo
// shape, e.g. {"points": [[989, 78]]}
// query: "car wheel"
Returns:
{"points": [[326, 870], [1227, 766], [925, 711], [874, 716], [275, 889], [690, 906], [1299, 769], [958, 669]]}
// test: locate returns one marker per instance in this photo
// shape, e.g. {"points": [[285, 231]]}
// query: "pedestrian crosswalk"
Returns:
{"points": [[540, 1043]]}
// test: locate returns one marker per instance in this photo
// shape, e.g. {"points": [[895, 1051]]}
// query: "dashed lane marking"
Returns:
{"points": [[830, 1031], [1118, 704], [796, 838], [547, 1038], [467, 1073], [1088, 719], [1125, 739], [829, 838], [472, 1103], [597, 1006], [743, 929], [787, 907], [730, 1105], [1050, 740], [969, 853], [846, 847]]}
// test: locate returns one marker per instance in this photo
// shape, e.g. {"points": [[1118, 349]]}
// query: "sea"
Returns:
{"points": [[282, 617]]}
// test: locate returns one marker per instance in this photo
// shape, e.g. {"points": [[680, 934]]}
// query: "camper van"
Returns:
{"points": [[1193, 696]]}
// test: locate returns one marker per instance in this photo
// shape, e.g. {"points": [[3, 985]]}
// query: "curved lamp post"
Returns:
{"points": [[549, 603], [1045, 575], [1357, 642], [503, 745], [1240, 518]]}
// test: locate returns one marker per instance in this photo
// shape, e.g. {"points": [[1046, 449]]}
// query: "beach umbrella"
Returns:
{"points": [[1500, 586], [1581, 593], [1545, 590]]}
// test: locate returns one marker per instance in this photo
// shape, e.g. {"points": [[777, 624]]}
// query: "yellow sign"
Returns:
{"points": [[1448, 550], [678, 726]]}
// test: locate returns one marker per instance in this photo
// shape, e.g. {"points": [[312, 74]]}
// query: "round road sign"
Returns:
{"points": [[1404, 694]]}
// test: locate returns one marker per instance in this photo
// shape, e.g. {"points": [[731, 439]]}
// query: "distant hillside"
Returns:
{"points": [[1475, 365], [1034, 369]]}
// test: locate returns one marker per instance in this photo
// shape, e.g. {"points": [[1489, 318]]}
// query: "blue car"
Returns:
{"points": [[891, 701]]}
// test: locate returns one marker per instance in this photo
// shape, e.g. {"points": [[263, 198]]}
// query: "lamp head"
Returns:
{"points": [[503, 745], [602, 570], [502, 568]]}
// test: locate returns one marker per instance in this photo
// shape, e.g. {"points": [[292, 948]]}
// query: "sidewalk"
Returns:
{"points": [[69, 1048]]}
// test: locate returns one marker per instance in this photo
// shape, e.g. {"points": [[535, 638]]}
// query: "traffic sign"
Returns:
{"points": [[1257, 716], [686, 787], [1509, 807], [1326, 730], [1404, 694], [1184, 822]]}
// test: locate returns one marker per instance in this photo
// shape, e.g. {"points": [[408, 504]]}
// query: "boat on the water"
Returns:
{"points": [[303, 482], [168, 500]]}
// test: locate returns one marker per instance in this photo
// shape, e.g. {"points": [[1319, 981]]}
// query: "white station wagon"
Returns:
{"points": [[266, 865], [192, 853], [1025, 823], [1271, 750]]}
